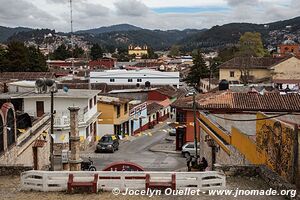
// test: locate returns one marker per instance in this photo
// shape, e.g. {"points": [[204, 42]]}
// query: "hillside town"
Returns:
{"points": [[85, 120]]}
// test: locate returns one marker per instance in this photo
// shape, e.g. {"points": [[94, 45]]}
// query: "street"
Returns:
{"points": [[137, 151]]}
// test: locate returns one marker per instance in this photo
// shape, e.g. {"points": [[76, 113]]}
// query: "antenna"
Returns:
{"points": [[72, 44]]}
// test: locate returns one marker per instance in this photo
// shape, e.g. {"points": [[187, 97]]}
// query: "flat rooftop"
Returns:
{"points": [[72, 93]]}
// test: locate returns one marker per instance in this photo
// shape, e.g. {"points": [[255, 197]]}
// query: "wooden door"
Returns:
{"points": [[35, 158], [39, 108]]}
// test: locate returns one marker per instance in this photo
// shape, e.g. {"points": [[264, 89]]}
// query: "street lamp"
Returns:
{"points": [[44, 86], [53, 88]]}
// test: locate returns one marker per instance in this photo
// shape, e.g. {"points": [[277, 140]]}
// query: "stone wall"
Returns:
{"points": [[235, 158], [239, 170], [16, 170], [271, 178], [275, 181]]}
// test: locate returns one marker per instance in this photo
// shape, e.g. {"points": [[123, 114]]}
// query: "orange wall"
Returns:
{"points": [[190, 128], [247, 147]]}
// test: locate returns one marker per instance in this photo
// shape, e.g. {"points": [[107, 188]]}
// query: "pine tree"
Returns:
{"points": [[96, 52], [198, 70]]}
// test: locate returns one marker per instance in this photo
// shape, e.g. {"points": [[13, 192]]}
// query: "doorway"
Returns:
{"points": [[35, 158], [40, 108]]}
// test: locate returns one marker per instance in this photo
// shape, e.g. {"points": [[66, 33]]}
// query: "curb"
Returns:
{"points": [[164, 151]]}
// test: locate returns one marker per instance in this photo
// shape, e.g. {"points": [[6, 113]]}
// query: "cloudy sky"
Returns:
{"points": [[152, 14]]}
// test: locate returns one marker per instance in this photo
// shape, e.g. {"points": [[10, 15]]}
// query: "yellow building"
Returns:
{"points": [[137, 50], [256, 69], [114, 117]]}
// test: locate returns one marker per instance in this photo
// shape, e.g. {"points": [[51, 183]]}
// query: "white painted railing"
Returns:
{"points": [[57, 181]]}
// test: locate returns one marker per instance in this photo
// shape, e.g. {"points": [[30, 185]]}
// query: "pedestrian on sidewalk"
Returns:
{"points": [[203, 164], [188, 162]]}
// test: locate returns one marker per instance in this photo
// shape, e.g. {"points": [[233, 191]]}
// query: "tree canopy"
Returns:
{"points": [[19, 58], [96, 52], [63, 52], [198, 70], [250, 44]]}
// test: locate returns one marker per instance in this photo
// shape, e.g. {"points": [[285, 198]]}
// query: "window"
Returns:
{"points": [[231, 73], [125, 108], [87, 131], [180, 117], [118, 111], [130, 80], [139, 80], [95, 100], [91, 103], [112, 80]]}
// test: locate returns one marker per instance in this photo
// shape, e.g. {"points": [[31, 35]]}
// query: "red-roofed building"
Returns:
{"points": [[104, 63]]}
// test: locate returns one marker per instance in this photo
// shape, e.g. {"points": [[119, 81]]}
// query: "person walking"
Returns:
{"points": [[203, 164], [188, 163]]}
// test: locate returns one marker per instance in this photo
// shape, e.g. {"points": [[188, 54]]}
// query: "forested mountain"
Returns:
{"points": [[218, 36], [229, 34], [6, 32], [157, 39], [108, 29]]}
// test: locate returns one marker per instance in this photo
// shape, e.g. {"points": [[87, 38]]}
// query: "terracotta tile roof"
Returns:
{"points": [[169, 91], [25, 75], [231, 101], [254, 62], [165, 103], [153, 107], [118, 101]]}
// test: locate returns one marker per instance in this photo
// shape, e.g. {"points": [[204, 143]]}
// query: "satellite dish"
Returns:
{"points": [[49, 82], [147, 84], [65, 89], [39, 83]]}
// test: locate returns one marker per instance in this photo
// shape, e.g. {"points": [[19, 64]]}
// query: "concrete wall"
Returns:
{"points": [[104, 129], [289, 69], [23, 155], [122, 76], [235, 157], [257, 73], [109, 114]]}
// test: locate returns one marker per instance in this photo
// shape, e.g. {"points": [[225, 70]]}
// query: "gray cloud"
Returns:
{"points": [[87, 14], [91, 10], [235, 3], [132, 8], [23, 13]]}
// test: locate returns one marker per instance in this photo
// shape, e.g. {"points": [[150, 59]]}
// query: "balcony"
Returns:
{"points": [[62, 119]]}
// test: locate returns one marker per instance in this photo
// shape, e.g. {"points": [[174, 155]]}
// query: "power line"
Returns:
{"points": [[249, 120]]}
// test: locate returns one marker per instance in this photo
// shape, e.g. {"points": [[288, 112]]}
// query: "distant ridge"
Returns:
{"points": [[107, 29]]}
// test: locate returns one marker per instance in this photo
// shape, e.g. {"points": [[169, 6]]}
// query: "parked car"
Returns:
{"points": [[108, 143], [189, 149], [172, 132]]}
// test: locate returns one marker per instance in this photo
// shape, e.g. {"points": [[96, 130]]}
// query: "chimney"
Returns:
{"points": [[74, 140]]}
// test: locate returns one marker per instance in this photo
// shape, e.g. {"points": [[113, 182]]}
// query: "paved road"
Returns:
{"points": [[137, 151]]}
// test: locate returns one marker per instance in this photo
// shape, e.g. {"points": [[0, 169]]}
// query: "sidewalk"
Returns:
{"points": [[165, 148]]}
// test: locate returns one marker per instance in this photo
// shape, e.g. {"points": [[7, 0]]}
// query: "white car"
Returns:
{"points": [[189, 149]]}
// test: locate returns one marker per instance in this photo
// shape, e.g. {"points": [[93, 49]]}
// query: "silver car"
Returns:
{"points": [[189, 149]]}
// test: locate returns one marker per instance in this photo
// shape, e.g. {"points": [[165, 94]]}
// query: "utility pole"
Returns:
{"points": [[52, 132], [195, 127]]}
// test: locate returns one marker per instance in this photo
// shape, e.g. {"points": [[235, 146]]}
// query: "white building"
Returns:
{"points": [[133, 77], [37, 104]]}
